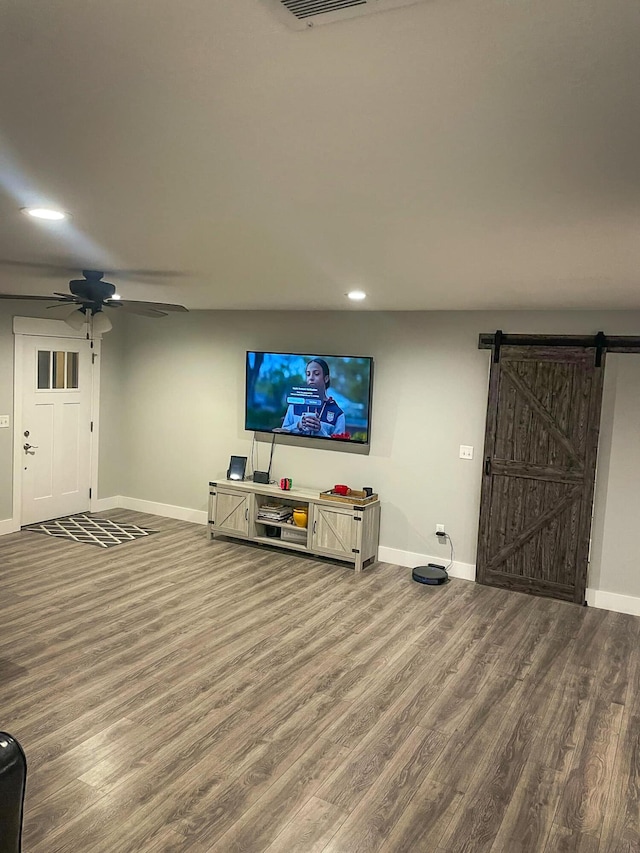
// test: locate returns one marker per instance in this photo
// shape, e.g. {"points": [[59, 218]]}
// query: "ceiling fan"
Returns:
{"points": [[89, 296]]}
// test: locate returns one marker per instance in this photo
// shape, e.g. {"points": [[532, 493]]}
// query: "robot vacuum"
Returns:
{"points": [[430, 574]]}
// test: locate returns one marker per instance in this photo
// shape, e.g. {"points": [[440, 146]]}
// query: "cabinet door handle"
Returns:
{"points": [[487, 466], [315, 524], [246, 513]]}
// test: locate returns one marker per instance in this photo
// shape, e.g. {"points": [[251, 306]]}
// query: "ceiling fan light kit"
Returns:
{"points": [[101, 323], [76, 319]]}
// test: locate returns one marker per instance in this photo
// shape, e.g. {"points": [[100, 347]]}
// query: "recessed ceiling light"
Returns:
{"points": [[45, 213], [357, 295]]}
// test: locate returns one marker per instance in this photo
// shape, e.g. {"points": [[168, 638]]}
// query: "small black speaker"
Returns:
{"points": [[261, 477], [237, 467]]}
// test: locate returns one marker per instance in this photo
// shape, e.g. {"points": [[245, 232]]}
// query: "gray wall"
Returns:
{"points": [[112, 438], [616, 533], [6, 408], [184, 418]]}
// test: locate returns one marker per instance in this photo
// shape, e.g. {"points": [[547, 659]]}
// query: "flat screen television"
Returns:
{"points": [[315, 396]]}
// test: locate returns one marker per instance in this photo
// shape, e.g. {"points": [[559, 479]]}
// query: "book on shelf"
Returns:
{"points": [[274, 512]]}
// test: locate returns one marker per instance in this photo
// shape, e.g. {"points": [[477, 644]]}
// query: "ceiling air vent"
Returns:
{"points": [[300, 14]]}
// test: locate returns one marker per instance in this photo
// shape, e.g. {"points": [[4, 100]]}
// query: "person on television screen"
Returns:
{"points": [[318, 420]]}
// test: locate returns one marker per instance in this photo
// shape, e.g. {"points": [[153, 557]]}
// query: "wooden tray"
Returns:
{"points": [[355, 497]]}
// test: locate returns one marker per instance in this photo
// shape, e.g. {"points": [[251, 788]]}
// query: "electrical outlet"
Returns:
{"points": [[440, 528], [4, 421], [466, 451]]}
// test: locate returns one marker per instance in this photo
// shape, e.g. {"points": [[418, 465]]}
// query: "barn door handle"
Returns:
{"points": [[246, 514], [487, 466], [315, 524]]}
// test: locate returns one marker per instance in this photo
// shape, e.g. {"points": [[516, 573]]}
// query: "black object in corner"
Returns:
{"points": [[13, 778]]}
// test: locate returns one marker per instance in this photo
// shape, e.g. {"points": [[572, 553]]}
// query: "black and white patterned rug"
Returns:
{"points": [[92, 531]]}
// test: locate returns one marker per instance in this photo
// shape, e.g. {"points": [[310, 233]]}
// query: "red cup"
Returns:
{"points": [[341, 490]]}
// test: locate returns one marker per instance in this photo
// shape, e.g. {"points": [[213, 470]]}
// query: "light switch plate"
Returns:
{"points": [[466, 451], [4, 421]]}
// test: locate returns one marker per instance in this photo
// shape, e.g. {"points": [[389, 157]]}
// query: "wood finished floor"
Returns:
{"points": [[175, 694]]}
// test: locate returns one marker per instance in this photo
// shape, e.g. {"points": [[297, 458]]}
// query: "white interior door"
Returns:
{"points": [[56, 427]]}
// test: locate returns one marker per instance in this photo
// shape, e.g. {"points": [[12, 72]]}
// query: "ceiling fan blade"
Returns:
{"points": [[142, 310], [148, 273], [40, 267], [157, 306], [54, 268], [35, 298]]}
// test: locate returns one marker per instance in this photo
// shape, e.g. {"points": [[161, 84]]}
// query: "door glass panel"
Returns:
{"points": [[58, 370], [44, 360], [72, 370]]}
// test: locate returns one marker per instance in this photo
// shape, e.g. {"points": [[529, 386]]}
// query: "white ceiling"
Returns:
{"points": [[449, 154]]}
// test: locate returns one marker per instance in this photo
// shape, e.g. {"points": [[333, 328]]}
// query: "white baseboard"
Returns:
{"points": [[167, 510], [105, 504], [136, 504], [465, 571], [613, 601], [8, 526]]}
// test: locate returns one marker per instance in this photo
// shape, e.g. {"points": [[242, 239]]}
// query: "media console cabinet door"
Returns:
{"points": [[231, 513], [334, 531]]}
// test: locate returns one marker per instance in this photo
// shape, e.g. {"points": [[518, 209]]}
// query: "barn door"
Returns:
{"points": [[540, 455]]}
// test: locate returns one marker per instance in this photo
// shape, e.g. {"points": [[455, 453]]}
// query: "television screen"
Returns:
{"points": [[316, 396]]}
